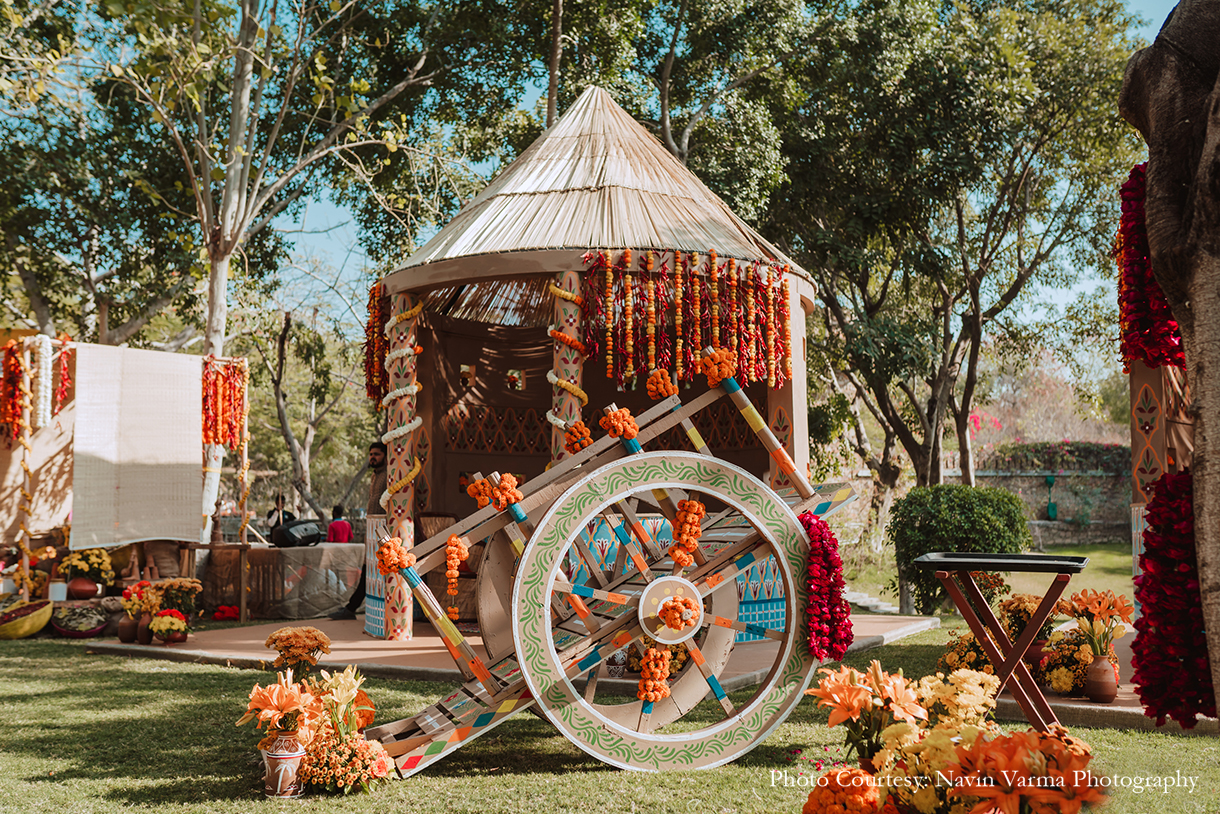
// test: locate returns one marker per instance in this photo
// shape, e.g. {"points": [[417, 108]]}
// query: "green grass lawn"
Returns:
{"points": [[87, 733]]}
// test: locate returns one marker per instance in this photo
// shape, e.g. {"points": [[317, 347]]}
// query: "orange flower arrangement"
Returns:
{"points": [[392, 557], [713, 276], [844, 790], [687, 531], [620, 424], [679, 613], [718, 366], [506, 493], [481, 491], [280, 706], [653, 674], [576, 437], [1101, 617], [455, 554], [298, 647], [571, 341], [867, 703], [659, 385], [732, 277]]}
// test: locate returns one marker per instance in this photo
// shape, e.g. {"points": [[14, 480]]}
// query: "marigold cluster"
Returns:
{"points": [[687, 530], [455, 554], [660, 386], [679, 613], [480, 490], [506, 492], [654, 670], [620, 424], [392, 557], [718, 366], [342, 765], [576, 437], [840, 791], [298, 647]]}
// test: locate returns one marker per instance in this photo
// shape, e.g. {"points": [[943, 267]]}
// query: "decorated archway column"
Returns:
{"points": [[567, 360], [787, 410], [403, 467]]}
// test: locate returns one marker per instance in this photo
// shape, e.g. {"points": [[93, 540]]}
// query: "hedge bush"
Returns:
{"points": [[1058, 455], [951, 517]]}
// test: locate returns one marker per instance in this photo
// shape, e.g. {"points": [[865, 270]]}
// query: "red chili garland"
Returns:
{"points": [[376, 345], [829, 622], [65, 376], [224, 402], [1172, 673], [1149, 332], [10, 388]]}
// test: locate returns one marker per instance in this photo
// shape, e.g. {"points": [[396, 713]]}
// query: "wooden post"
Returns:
{"points": [[26, 484], [567, 363], [787, 406], [402, 363]]}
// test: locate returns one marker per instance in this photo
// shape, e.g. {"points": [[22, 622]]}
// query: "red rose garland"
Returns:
{"points": [[829, 622], [1172, 672], [1149, 331], [376, 345]]}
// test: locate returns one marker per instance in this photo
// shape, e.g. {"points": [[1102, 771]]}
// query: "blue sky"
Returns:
{"points": [[327, 233]]}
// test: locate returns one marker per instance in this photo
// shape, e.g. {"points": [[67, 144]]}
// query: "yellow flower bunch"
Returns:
{"points": [[1016, 612], [298, 647], [1067, 662], [180, 594], [964, 698], [168, 620], [93, 563], [913, 760], [964, 652]]}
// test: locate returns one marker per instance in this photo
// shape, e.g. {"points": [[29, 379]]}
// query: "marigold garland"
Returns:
{"points": [[620, 424], [505, 492], [770, 328], [751, 318], [687, 530], [828, 615], [679, 613], [654, 671], [576, 437], [392, 557], [565, 295], [731, 275], [714, 276], [660, 386], [785, 324], [610, 319], [481, 491], [1149, 333], [651, 314], [718, 366], [10, 390], [695, 343], [376, 345], [678, 302], [455, 554], [571, 341], [1172, 671]]}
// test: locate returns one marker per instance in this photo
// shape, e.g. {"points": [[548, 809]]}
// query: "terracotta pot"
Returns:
{"points": [[127, 629], [143, 634], [282, 761], [81, 588], [1036, 652], [172, 637], [866, 763], [1100, 685]]}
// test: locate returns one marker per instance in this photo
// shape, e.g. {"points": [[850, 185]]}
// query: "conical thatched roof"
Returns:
{"points": [[596, 179]]}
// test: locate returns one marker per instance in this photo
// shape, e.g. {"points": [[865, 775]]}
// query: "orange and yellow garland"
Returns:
{"points": [[687, 530], [392, 557], [224, 401], [455, 554], [678, 313], [654, 670], [713, 274]]}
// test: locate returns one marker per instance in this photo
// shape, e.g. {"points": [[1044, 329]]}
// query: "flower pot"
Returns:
{"points": [[282, 761], [143, 634], [172, 637], [81, 588], [1034, 655], [866, 763], [127, 629], [1100, 685]]}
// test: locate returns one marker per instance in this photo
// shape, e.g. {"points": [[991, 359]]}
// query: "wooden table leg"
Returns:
{"points": [[1024, 689], [243, 584]]}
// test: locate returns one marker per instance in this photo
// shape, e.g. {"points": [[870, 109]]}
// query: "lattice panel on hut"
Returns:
{"points": [[496, 429]]}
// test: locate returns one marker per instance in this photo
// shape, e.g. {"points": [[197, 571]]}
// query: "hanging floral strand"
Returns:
{"points": [[731, 275], [770, 326], [651, 288], [695, 343], [620, 339], [785, 325], [376, 345], [760, 352], [609, 300], [664, 348], [591, 313], [628, 323], [65, 375], [747, 367], [714, 275], [678, 303]]}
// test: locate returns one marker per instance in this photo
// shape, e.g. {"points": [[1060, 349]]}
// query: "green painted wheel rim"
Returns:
{"points": [[559, 700]]}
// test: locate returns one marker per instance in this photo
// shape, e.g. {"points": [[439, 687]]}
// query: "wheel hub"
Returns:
{"points": [[654, 597]]}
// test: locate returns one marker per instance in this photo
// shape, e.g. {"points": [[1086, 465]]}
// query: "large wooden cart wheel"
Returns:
{"points": [[556, 650]]}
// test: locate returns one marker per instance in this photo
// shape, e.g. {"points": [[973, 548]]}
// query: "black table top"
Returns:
{"points": [[975, 561]]}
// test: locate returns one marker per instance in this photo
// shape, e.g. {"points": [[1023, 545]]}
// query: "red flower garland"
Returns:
{"points": [[1172, 672], [829, 622], [376, 345], [10, 388], [1149, 332], [65, 375]]}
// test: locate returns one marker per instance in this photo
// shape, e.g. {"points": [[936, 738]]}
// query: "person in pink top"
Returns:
{"points": [[339, 530]]}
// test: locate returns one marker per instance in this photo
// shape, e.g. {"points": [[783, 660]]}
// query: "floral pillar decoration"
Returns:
{"points": [[401, 363], [568, 357], [786, 413]]}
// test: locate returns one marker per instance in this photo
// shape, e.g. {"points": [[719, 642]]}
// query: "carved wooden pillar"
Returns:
{"points": [[787, 406], [567, 361]]}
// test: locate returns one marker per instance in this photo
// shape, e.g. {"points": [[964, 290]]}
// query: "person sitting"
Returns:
{"points": [[339, 530]]}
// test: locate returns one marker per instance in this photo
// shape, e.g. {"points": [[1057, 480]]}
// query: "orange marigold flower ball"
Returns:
{"points": [[717, 366], [577, 437], [840, 791], [660, 386], [480, 490]]}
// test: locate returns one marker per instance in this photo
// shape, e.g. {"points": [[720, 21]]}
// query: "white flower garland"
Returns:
{"points": [[409, 390], [398, 354], [40, 416], [409, 427], [556, 420]]}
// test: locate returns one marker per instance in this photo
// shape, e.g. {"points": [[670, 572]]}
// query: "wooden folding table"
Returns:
{"points": [[953, 570]]}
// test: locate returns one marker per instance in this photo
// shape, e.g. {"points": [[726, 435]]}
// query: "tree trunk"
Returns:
{"points": [[552, 90], [213, 343], [885, 483], [965, 448]]}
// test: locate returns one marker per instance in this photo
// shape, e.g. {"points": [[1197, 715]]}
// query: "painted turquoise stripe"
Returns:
{"points": [[647, 708], [717, 690], [632, 445], [516, 512], [730, 385], [745, 561], [621, 534], [757, 630], [413, 578], [582, 590], [591, 659]]}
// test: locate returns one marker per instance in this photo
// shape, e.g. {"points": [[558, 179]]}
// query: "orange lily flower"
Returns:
{"points": [[842, 692], [903, 701]]}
